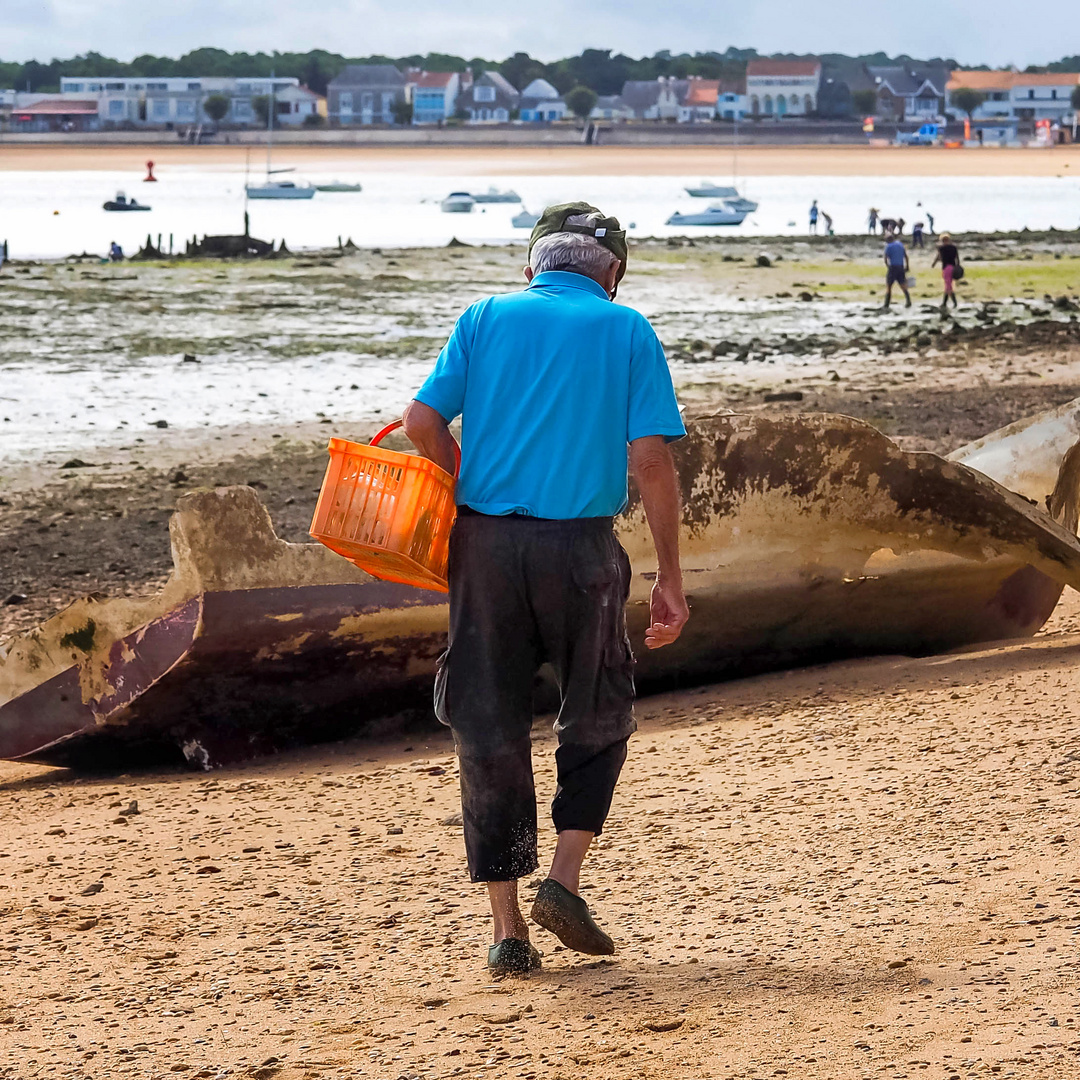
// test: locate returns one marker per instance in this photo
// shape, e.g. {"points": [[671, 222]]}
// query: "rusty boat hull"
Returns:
{"points": [[805, 540]]}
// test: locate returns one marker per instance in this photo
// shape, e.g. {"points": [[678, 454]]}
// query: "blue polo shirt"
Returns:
{"points": [[895, 254], [551, 384]]}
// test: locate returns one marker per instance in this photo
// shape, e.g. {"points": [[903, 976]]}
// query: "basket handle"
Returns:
{"points": [[379, 436]]}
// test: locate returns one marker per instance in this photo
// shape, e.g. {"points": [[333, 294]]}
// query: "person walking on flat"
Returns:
{"points": [[897, 267], [948, 254], [558, 390], [813, 218]]}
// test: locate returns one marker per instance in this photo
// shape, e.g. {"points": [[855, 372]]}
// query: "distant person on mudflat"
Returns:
{"points": [[896, 271], [813, 218], [872, 220], [558, 390], [930, 222], [828, 224], [948, 254], [917, 235]]}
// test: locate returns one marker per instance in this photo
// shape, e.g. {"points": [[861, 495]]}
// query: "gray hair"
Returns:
{"points": [[576, 252]]}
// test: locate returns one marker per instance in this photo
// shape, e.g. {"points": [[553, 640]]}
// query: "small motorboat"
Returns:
{"points": [[739, 203], [708, 190], [338, 187], [524, 220], [717, 214], [123, 203], [279, 189], [494, 195], [458, 202]]}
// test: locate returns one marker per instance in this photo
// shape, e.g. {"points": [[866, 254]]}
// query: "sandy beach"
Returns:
{"points": [[570, 160], [857, 871]]}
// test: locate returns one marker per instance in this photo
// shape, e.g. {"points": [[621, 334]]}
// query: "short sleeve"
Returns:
{"points": [[444, 390], [653, 408]]}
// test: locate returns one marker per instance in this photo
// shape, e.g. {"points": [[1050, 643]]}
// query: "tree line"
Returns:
{"points": [[599, 69]]}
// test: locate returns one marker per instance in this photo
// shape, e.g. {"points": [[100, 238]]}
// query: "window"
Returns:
{"points": [[345, 101], [116, 108], [1053, 95], [194, 85], [808, 104], [73, 87], [185, 110], [501, 115], [243, 88], [387, 101], [94, 86], [755, 105], [768, 104], [157, 86], [1031, 95], [367, 102], [114, 86], [159, 109], [243, 110], [483, 93]]}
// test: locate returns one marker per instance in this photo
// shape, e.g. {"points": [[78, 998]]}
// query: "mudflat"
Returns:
{"points": [[813, 160]]}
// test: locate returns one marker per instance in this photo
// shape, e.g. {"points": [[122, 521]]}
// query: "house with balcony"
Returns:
{"points": [[779, 88], [1014, 101], [489, 99], [541, 103], [434, 95], [366, 94], [912, 92]]}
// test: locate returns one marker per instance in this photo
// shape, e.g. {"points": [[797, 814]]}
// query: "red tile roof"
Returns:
{"points": [[782, 67], [66, 107], [433, 80], [702, 92]]}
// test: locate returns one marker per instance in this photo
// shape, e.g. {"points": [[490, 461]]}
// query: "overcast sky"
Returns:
{"points": [[992, 32]]}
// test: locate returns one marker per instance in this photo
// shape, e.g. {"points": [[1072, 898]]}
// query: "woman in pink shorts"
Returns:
{"points": [[949, 257]]}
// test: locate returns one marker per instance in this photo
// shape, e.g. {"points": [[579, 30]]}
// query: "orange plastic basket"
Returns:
{"points": [[387, 512]]}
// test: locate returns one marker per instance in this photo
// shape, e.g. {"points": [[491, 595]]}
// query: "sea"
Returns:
{"points": [[50, 215]]}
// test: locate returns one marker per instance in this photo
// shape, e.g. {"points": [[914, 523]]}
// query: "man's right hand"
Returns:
{"points": [[668, 612]]}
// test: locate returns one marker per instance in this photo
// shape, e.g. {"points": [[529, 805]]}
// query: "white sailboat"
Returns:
{"points": [[729, 195], [270, 188]]}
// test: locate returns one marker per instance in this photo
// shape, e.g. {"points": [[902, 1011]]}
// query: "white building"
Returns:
{"points": [[160, 102], [1014, 96], [541, 102], [779, 88]]}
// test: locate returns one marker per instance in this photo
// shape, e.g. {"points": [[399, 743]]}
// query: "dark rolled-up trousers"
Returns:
{"points": [[524, 592]]}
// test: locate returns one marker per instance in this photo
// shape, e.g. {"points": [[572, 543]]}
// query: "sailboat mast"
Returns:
{"points": [[270, 127]]}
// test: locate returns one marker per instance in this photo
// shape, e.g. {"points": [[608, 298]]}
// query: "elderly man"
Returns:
{"points": [[552, 384]]}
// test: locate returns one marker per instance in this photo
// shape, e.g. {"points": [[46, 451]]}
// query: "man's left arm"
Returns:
{"points": [[429, 432]]}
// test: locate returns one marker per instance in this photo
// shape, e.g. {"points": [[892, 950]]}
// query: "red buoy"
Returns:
{"points": [[149, 178]]}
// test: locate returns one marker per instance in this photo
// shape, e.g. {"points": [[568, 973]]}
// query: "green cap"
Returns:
{"points": [[606, 230]]}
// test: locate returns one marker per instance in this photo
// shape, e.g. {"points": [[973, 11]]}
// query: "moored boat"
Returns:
{"points": [[122, 204], [708, 190], [279, 189], [493, 195], [523, 219], [717, 214], [339, 187], [458, 202]]}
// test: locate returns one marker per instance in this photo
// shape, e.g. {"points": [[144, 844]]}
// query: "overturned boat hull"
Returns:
{"points": [[805, 539]]}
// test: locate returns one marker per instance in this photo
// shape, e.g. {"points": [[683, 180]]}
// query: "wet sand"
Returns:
{"points": [[857, 871], [572, 160]]}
